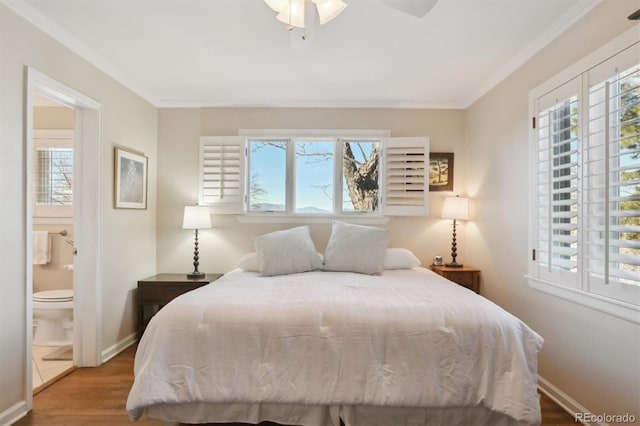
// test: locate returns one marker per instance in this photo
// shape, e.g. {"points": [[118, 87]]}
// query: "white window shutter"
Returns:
{"points": [[557, 184], [222, 174], [612, 169], [406, 172], [53, 168], [585, 176]]}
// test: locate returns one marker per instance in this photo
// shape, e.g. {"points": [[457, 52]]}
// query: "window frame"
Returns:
{"points": [[51, 138], [628, 306], [312, 135]]}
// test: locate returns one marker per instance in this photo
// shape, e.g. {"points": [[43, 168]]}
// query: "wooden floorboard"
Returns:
{"points": [[97, 397]]}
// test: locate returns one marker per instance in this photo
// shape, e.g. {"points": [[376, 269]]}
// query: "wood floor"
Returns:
{"points": [[97, 396]]}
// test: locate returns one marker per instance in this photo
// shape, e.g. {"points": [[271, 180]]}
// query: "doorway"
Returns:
{"points": [[86, 217], [53, 233]]}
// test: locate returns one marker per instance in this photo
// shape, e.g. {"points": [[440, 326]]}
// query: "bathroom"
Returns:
{"points": [[53, 235], [52, 352]]}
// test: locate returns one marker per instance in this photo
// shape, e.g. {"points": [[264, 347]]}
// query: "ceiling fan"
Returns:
{"points": [[417, 8], [300, 15]]}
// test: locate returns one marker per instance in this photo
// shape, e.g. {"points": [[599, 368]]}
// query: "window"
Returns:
{"points": [[308, 173], [586, 185], [53, 173], [360, 176], [268, 175], [314, 172], [313, 164]]}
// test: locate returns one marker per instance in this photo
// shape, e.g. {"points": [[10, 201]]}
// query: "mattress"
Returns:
{"points": [[336, 343]]}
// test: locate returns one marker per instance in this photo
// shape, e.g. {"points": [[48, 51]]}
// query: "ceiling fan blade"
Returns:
{"points": [[417, 8]]}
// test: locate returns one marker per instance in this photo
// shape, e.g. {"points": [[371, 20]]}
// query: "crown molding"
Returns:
{"points": [[570, 17], [309, 104], [68, 40], [40, 21]]}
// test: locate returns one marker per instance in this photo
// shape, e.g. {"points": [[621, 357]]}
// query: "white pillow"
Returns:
{"points": [[249, 262], [355, 248], [287, 252], [400, 258]]}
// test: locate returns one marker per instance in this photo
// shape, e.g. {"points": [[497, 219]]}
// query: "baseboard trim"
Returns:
{"points": [[13, 413], [567, 403], [120, 346]]}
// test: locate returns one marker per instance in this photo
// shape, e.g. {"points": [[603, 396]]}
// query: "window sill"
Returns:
{"points": [[617, 308], [279, 218]]}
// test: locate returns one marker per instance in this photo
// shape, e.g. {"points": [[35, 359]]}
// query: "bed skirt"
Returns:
{"points": [[319, 415]]}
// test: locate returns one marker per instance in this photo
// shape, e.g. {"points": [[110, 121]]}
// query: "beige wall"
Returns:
{"points": [[52, 117], [53, 275], [128, 245], [593, 357], [222, 247]]}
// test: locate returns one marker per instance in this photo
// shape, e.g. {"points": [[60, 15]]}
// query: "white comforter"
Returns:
{"points": [[408, 338]]}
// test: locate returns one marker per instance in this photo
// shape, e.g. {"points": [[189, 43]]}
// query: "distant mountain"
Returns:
{"points": [[311, 209], [270, 207]]}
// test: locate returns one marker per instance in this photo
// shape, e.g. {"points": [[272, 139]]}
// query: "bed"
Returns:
{"points": [[318, 348]]}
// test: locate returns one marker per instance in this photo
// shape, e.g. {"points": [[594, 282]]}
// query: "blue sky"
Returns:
{"points": [[268, 165]]}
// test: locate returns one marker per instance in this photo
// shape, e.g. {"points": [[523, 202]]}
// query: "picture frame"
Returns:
{"points": [[441, 171], [130, 179]]}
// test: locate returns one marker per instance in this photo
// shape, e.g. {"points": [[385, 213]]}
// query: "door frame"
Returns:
{"points": [[87, 307]]}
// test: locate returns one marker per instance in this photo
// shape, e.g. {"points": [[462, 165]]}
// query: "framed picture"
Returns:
{"points": [[130, 180], [441, 171]]}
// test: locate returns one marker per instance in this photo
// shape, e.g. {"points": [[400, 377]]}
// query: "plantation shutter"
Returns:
{"points": [[557, 184], [406, 172], [612, 177], [222, 165], [53, 172], [585, 181]]}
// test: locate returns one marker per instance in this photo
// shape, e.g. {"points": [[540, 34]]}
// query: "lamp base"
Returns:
{"points": [[195, 275], [454, 265]]}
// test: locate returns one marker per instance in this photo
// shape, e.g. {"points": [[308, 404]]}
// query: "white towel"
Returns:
{"points": [[41, 248]]}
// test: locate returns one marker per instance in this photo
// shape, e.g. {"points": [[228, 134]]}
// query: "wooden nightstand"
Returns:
{"points": [[465, 276], [158, 290]]}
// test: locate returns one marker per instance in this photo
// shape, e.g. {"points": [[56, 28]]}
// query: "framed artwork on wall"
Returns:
{"points": [[130, 179], [441, 171]]}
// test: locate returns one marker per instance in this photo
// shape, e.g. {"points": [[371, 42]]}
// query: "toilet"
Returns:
{"points": [[53, 317]]}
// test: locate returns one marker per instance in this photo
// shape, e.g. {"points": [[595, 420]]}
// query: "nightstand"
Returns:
{"points": [[465, 276], [158, 290]]}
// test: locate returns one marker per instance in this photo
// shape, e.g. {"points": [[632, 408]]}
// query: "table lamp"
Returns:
{"points": [[196, 217], [456, 208]]}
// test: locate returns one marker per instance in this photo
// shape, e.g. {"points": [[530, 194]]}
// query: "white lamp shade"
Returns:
{"points": [[277, 5], [196, 217], [293, 13], [329, 9], [455, 208]]}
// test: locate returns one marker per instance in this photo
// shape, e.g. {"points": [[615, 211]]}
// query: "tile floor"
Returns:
{"points": [[46, 372]]}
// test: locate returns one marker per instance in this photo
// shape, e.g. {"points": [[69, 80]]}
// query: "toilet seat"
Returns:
{"points": [[53, 296]]}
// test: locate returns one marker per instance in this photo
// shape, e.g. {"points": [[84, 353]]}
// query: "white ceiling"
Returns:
{"points": [[235, 53]]}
